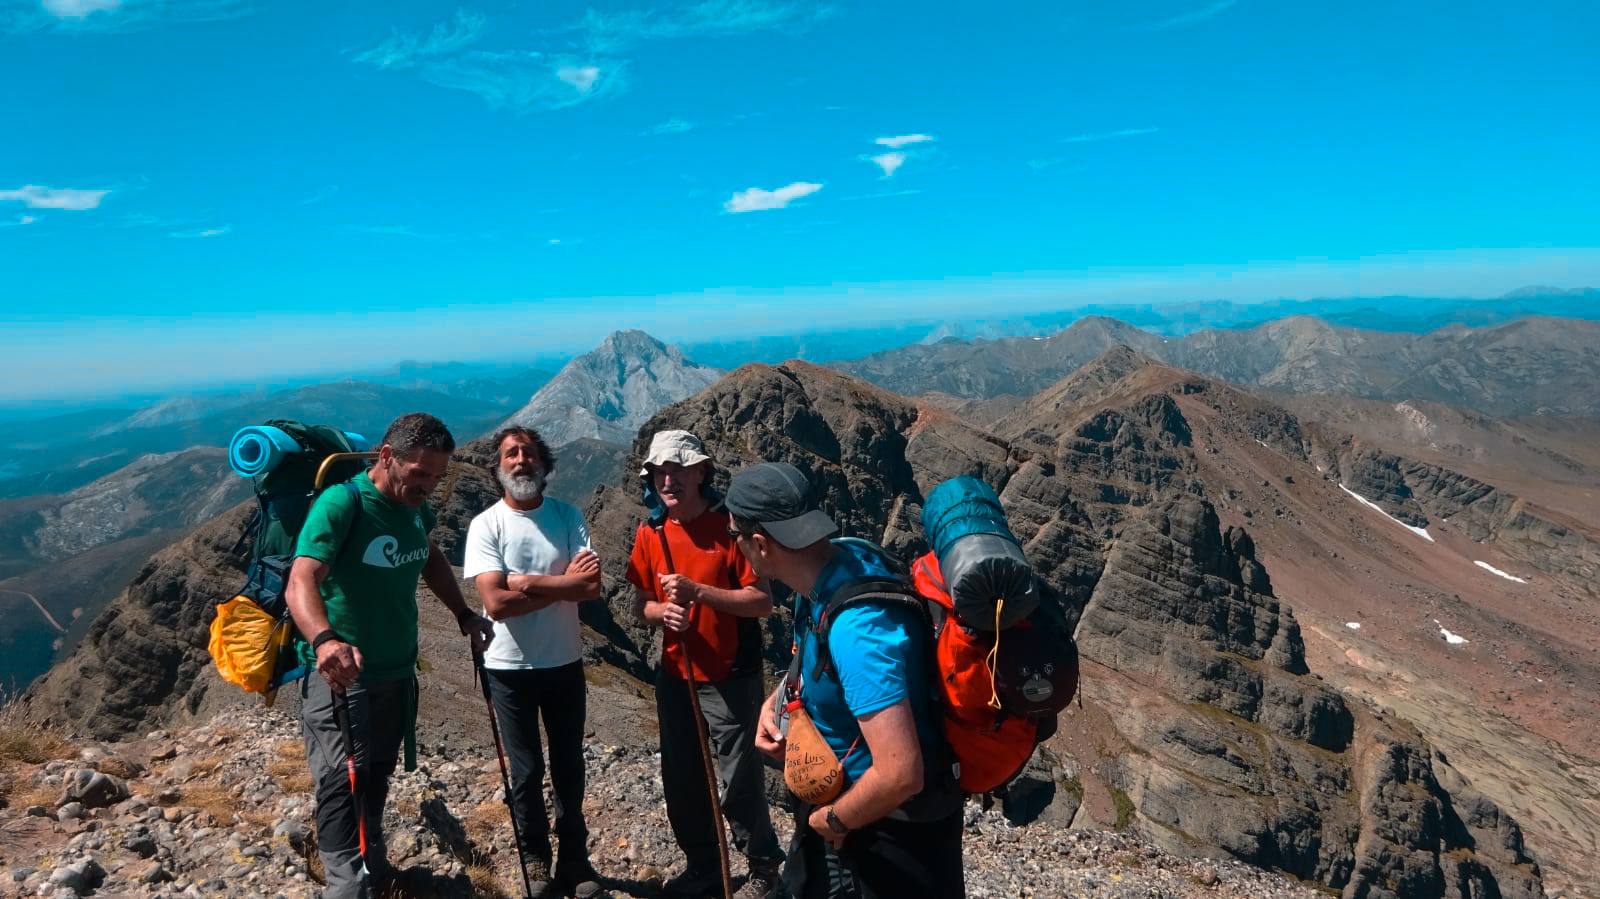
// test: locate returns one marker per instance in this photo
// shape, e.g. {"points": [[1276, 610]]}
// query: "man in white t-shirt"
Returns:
{"points": [[530, 558]]}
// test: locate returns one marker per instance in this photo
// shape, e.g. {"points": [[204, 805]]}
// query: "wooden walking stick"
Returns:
{"points": [[702, 731]]}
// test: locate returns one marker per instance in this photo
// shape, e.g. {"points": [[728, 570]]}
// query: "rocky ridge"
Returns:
{"points": [[1203, 732], [1206, 732], [224, 809]]}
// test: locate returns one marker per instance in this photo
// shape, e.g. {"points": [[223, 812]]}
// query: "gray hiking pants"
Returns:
{"points": [[378, 720], [730, 708]]}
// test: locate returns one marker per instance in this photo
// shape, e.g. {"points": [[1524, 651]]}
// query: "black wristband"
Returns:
{"points": [[325, 636]]}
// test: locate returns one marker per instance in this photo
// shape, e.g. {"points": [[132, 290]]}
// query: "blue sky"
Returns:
{"points": [[417, 180]]}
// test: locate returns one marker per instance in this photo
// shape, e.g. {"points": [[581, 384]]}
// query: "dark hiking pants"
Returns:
{"points": [[887, 859], [522, 697], [730, 707], [378, 716]]}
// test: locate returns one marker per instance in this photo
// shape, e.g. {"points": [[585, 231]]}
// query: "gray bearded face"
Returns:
{"points": [[523, 488]]}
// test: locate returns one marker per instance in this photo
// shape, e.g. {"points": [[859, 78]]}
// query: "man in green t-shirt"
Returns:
{"points": [[353, 593]]}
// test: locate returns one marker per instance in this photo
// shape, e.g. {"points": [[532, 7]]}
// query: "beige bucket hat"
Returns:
{"points": [[681, 447]]}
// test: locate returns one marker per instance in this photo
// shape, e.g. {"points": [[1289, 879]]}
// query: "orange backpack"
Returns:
{"points": [[998, 692]]}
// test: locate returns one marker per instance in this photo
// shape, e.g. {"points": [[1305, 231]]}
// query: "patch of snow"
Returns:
{"points": [[1493, 570], [1420, 532], [1353, 625], [1451, 638], [1263, 443], [1038, 338]]}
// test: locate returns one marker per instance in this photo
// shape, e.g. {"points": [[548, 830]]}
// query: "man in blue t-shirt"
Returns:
{"points": [[896, 828]]}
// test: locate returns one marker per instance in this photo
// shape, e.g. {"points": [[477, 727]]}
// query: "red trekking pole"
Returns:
{"points": [[341, 714]]}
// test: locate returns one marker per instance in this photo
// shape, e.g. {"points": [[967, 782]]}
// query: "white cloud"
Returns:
{"points": [[201, 234], [35, 197], [889, 162], [616, 32], [1191, 18], [755, 199], [1107, 135], [19, 221], [403, 51], [77, 9], [582, 78], [520, 81], [322, 194], [99, 16], [572, 70], [670, 126], [895, 143]]}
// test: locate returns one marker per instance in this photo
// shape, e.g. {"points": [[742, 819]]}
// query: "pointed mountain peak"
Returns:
{"points": [[606, 393], [631, 340]]}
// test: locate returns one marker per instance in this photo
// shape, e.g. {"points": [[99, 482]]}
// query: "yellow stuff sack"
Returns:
{"points": [[245, 640]]}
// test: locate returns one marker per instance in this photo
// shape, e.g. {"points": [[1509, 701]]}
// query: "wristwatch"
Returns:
{"points": [[834, 824]]}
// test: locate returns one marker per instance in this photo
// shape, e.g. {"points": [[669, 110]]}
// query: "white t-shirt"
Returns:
{"points": [[542, 541]]}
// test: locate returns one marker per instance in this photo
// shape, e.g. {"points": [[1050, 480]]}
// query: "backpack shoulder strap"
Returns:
{"points": [[884, 591]]}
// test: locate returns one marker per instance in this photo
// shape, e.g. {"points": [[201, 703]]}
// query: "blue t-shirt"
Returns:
{"points": [[879, 659]]}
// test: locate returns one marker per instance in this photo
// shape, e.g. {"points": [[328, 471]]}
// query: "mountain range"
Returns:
{"points": [[60, 453], [1214, 548], [1335, 590], [1530, 366]]}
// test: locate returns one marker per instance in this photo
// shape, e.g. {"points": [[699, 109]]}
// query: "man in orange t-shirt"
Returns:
{"points": [[692, 581]]}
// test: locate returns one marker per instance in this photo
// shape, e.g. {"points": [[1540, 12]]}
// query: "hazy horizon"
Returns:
{"points": [[1034, 318]]}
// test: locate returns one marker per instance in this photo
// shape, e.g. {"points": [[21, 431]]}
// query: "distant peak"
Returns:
{"points": [[1100, 323], [631, 338], [1542, 290]]}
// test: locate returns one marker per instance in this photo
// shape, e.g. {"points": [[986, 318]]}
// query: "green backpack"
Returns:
{"points": [[253, 638]]}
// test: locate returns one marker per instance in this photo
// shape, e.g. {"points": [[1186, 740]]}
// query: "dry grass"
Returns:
{"points": [[485, 821], [117, 767], [260, 816], [24, 741], [485, 882], [289, 768], [203, 768], [40, 795], [210, 799]]}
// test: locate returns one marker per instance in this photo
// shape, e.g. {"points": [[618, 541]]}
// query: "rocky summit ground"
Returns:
{"points": [[224, 809]]}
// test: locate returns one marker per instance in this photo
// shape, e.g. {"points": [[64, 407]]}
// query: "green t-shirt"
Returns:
{"points": [[371, 588]]}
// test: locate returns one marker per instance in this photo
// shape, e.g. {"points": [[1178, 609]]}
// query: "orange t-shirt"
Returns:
{"points": [[722, 645]]}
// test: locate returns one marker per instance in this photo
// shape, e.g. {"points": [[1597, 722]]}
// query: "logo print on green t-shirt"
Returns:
{"points": [[384, 552]]}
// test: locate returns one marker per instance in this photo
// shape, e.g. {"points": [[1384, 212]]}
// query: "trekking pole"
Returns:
{"points": [[701, 730], [505, 777], [711, 775], [341, 714]]}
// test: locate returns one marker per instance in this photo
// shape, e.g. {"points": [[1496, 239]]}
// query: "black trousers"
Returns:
{"points": [[885, 860], [558, 696]]}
